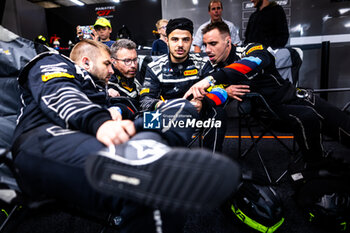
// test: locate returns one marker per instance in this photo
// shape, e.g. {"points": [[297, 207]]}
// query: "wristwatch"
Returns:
{"points": [[211, 80]]}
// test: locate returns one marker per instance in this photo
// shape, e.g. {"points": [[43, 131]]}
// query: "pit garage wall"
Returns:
{"points": [[29, 20], [311, 22], [24, 18], [138, 16]]}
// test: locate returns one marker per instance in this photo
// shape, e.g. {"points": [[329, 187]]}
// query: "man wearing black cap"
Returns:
{"points": [[171, 75]]}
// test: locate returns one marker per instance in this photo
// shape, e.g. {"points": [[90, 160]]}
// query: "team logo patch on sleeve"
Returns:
{"points": [[47, 77], [252, 62], [145, 90], [258, 47], [191, 72]]}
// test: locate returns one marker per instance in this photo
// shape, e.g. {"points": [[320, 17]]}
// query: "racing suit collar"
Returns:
{"points": [[232, 57], [179, 66], [97, 81], [122, 78], [101, 84]]}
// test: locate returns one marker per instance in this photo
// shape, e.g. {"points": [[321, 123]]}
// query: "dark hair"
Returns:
{"points": [[179, 23], [214, 1], [221, 26]]}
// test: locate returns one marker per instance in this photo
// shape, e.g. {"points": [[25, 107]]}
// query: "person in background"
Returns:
{"points": [[267, 25], [215, 8], [160, 46], [102, 31], [124, 33]]}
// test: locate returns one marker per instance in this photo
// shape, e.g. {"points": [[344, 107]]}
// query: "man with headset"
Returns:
{"points": [[221, 52], [307, 115]]}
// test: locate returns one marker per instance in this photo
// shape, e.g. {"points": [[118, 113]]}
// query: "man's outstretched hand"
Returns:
{"points": [[237, 91], [115, 132], [198, 90]]}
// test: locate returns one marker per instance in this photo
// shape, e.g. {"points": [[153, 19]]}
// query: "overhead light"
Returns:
{"points": [[195, 2], [347, 25], [343, 10], [300, 28], [116, 1], [77, 2], [325, 18]]}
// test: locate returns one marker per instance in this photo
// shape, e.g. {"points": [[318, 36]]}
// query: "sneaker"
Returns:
{"points": [[149, 172]]}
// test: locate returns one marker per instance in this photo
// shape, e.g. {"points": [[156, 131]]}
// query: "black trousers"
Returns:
{"points": [[214, 136], [50, 163], [311, 117]]}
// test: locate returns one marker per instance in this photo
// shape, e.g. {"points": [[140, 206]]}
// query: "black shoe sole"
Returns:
{"points": [[181, 181]]}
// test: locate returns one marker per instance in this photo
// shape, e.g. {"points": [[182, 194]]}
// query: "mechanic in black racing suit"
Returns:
{"points": [[306, 114], [171, 75], [124, 83], [68, 146]]}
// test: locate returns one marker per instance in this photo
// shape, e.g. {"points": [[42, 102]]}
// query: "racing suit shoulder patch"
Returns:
{"points": [[49, 76], [252, 49]]}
